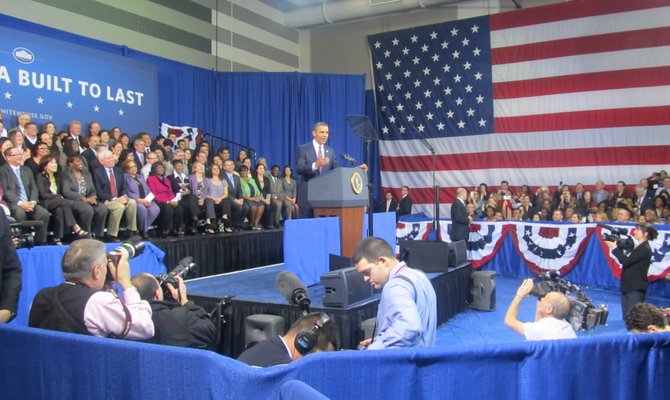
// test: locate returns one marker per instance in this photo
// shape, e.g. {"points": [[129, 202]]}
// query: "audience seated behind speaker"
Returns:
{"points": [[312, 333]]}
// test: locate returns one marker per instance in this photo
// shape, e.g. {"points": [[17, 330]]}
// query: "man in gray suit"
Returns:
{"points": [[21, 192]]}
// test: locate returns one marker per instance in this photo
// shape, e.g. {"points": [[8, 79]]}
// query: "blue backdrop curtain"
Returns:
{"points": [[271, 112], [275, 112]]}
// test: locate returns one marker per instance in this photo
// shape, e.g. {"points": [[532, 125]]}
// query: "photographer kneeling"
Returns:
{"points": [[179, 322], [635, 266], [87, 303], [550, 315]]}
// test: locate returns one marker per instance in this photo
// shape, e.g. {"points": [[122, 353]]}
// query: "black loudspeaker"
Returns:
{"points": [[260, 327], [458, 253], [428, 256], [344, 287], [483, 290], [336, 262]]}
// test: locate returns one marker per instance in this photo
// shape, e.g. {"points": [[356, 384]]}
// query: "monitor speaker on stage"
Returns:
{"points": [[344, 287], [261, 327], [428, 256], [483, 290], [458, 253], [336, 262]]}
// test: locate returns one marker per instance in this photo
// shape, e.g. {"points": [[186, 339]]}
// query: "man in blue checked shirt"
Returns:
{"points": [[407, 313]]}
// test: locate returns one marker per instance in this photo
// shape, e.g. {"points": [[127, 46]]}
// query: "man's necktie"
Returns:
{"points": [[22, 189], [320, 157], [112, 183]]}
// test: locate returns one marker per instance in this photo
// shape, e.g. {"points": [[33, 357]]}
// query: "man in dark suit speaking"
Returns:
{"points": [[313, 159], [460, 222]]}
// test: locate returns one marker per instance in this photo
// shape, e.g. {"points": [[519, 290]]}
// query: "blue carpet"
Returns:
{"points": [[471, 327], [257, 284]]}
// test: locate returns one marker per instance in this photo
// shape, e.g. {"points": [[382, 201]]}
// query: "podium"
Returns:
{"points": [[341, 192]]}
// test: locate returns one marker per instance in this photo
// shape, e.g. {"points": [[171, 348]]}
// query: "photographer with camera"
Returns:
{"points": [[634, 266], [178, 321], [10, 276], [87, 302], [551, 312]]}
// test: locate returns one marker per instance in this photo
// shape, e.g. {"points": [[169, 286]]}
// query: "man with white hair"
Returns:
{"points": [[109, 183], [460, 222]]}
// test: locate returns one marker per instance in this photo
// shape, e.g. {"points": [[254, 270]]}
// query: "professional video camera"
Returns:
{"points": [[183, 268], [583, 314], [22, 232], [619, 235]]}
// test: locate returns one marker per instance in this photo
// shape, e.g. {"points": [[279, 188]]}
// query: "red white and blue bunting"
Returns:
{"points": [[418, 230], [484, 241], [542, 246], [551, 247]]}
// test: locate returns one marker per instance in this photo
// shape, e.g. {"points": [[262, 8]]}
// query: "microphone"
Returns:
{"points": [[615, 229], [348, 158], [293, 290]]}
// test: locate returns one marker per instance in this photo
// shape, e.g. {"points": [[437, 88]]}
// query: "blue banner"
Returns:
{"points": [[58, 81]]}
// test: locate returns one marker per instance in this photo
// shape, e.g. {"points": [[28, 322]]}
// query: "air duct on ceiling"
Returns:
{"points": [[333, 11]]}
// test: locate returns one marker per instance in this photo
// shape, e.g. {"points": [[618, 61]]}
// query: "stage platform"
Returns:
{"points": [[254, 292], [224, 252]]}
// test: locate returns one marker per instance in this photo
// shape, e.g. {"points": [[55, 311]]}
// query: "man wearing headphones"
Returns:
{"points": [[312, 333]]}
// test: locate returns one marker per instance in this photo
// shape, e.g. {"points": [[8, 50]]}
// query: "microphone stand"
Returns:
{"points": [[436, 189], [363, 129], [371, 199]]}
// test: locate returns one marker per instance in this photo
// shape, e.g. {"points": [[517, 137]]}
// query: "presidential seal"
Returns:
{"points": [[356, 182]]}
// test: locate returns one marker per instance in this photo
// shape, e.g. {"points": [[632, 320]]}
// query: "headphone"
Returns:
{"points": [[306, 339]]}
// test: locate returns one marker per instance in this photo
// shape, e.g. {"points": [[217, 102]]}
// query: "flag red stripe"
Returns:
{"points": [[425, 195], [561, 12], [591, 119], [639, 155], [618, 41], [448, 194], [642, 77]]}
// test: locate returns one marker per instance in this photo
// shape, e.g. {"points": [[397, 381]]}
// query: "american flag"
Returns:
{"points": [[572, 92]]}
